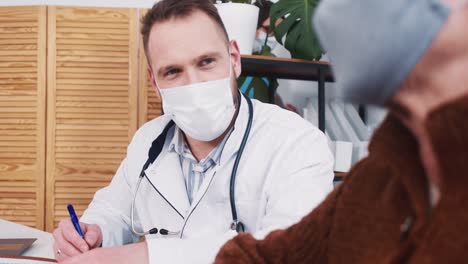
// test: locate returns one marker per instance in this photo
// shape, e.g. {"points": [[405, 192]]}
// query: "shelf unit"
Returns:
{"points": [[293, 69]]}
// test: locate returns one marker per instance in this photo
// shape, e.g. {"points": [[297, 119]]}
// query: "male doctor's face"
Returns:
{"points": [[190, 50]]}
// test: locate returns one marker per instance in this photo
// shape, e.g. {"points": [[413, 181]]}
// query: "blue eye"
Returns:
{"points": [[206, 62], [171, 72]]}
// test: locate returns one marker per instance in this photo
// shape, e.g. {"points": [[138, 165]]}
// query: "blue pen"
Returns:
{"points": [[74, 220]]}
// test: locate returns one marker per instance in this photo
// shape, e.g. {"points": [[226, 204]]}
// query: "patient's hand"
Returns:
{"points": [[68, 242]]}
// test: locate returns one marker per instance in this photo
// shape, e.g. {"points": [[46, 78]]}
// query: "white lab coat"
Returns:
{"points": [[285, 171]]}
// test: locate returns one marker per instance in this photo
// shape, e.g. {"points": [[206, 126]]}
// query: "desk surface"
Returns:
{"points": [[42, 247]]}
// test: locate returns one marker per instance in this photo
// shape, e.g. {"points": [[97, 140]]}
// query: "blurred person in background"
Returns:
{"points": [[264, 88]]}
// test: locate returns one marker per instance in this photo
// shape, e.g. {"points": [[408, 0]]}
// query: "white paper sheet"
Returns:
{"points": [[23, 261]]}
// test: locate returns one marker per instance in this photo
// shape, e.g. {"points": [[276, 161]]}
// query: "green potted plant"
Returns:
{"points": [[296, 28]]}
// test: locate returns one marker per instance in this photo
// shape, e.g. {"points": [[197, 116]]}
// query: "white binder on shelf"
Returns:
{"points": [[359, 146], [311, 111], [356, 122], [338, 113], [346, 132], [340, 145]]}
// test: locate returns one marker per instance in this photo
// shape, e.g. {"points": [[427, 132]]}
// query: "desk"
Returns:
{"points": [[42, 247]]}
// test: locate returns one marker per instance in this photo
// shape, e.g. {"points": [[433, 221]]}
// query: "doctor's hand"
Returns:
{"points": [[132, 253], [68, 242]]}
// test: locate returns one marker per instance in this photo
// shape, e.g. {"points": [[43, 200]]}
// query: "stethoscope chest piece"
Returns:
{"points": [[237, 226]]}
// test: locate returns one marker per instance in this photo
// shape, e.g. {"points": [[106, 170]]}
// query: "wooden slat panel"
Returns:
{"points": [[110, 116], [68, 98], [18, 98], [66, 161], [101, 93], [93, 16], [22, 132], [6, 41], [100, 26], [20, 154], [78, 192], [91, 81], [149, 100], [15, 52], [94, 76], [12, 107], [19, 14], [92, 42], [22, 114], [92, 102], [17, 24], [112, 139], [18, 87], [83, 59], [26, 35], [86, 104], [91, 133], [93, 30], [93, 47], [92, 70], [20, 171], [19, 47], [15, 30], [90, 53], [22, 64]]}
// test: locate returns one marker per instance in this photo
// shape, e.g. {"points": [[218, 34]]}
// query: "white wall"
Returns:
{"points": [[94, 3]]}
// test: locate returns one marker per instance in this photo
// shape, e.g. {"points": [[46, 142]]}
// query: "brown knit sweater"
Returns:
{"points": [[381, 212]]}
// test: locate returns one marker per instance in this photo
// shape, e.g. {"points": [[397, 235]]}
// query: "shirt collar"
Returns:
{"points": [[179, 145]]}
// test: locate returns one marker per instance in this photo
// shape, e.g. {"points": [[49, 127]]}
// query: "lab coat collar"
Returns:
{"points": [[167, 177], [179, 145]]}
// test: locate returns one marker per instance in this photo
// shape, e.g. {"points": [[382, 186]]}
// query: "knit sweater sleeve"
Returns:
{"points": [[304, 242]]}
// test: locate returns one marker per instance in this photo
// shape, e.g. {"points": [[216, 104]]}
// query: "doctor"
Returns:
{"points": [[178, 208]]}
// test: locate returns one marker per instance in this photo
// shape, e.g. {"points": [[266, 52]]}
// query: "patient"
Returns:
{"points": [[408, 201]]}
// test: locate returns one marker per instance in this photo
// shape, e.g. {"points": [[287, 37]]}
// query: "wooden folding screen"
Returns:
{"points": [[22, 114], [73, 89], [92, 101]]}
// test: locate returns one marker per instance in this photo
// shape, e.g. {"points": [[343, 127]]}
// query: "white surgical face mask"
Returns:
{"points": [[202, 110], [260, 41]]}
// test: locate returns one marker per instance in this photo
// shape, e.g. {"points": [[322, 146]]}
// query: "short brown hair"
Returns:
{"points": [[167, 9]]}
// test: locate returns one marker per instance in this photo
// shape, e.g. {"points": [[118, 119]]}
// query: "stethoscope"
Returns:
{"points": [[153, 153]]}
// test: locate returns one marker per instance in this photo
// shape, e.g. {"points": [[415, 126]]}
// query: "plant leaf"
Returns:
{"points": [[259, 89], [301, 39], [266, 51]]}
